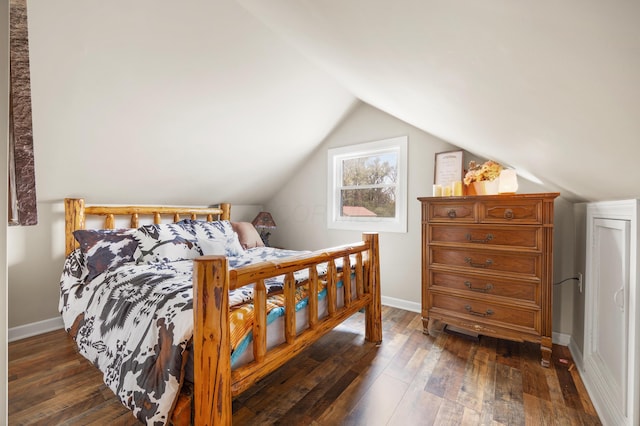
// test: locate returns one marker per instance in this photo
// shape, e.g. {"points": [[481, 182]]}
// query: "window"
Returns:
{"points": [[368, 186]]}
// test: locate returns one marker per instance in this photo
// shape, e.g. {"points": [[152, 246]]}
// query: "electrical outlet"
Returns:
{"points": [[580, 281]]}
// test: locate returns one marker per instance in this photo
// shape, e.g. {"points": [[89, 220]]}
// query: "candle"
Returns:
{"points": [[456, 188], [447, 191], [437, 190], [508, 183]]}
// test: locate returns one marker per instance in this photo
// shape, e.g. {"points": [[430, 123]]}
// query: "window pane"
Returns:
{"points": [[370, 170], [370, 202]]}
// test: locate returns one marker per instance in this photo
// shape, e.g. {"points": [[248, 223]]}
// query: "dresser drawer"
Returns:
{"points": [[480, 310], [510, 211], [458, 211], [525, 264], [471, 285], [517, 237]]}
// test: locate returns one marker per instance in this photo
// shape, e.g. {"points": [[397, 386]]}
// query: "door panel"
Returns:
{"points": [[610, 290]]}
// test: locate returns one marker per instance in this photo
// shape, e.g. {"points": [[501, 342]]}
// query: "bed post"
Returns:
{"points": [[373, 312], [226, 211], [211, 341], [73, 220]]}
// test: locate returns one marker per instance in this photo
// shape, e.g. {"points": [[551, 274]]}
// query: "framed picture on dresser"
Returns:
{"points": [[448, 167]]}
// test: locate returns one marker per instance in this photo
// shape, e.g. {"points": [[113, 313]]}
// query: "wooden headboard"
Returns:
{"points": [[76, 213]]}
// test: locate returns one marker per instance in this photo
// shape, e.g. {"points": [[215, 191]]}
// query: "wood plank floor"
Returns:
{"points": [[411, 379]]}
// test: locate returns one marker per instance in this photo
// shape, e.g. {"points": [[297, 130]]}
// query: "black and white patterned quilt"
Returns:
{"points": [[134, 322]]}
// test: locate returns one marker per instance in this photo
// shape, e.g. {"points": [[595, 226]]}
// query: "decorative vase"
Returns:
{"points": [[484, 187], [491, 186]]}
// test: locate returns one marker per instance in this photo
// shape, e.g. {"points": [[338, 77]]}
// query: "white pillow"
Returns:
{"points": [[212, 247], [220, 231], [234, 248]]}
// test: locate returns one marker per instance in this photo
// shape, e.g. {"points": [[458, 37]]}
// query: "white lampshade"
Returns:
{"points": [[508, 183]]}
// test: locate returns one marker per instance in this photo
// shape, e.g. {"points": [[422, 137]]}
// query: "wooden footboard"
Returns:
{"points": [[214, 382]]}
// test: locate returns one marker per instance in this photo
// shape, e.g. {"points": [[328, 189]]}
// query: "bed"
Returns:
{"points": [[175, 317]]}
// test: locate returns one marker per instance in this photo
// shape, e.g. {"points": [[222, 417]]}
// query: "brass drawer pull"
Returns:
{"points": [[488, 238], [486, 288], [478, 314], [452, 213], [486, 263], [508, 214]]}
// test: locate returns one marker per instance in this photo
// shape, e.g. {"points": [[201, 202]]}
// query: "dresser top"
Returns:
{"points": [[493, 197]]}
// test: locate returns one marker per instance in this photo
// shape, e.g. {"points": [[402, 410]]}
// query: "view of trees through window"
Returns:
{"points": [[369, 185]]}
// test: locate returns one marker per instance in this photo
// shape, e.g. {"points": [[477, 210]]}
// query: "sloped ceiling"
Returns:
{"points": [[550, 88], [156, 101], [226, 99]]}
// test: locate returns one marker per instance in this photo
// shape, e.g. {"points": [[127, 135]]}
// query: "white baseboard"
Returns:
{"points": [[576, 354], [587, 380], [561, 339], [34, 328], [401, 304]]}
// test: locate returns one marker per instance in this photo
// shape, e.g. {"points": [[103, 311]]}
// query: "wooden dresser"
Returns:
{"points": [[487, 265]]}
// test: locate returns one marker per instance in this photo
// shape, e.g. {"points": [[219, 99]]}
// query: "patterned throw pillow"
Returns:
{"points": [[166, 242], [105, 248], [219, 231]]}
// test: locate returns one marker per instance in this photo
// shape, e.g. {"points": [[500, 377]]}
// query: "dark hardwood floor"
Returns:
{"points": [[411, 379]]}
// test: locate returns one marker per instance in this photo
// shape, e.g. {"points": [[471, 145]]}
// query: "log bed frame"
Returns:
{"points": [[215, 384]]}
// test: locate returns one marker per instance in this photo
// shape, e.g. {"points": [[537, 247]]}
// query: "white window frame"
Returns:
{"points": [[378, 224]]}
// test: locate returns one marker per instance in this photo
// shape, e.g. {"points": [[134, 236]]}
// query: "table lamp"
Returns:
{"points": [[263, 222]]}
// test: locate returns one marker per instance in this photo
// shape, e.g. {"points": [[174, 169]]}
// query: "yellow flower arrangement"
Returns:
{"points": [[489, 170]]}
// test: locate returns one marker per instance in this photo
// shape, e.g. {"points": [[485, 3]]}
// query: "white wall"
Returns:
{"points": [[151, 100], [564, 246], [299, 209], [157, 103], [194, 104]]}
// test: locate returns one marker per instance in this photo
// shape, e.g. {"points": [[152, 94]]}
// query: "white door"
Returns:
{"points": [[607, 311]]}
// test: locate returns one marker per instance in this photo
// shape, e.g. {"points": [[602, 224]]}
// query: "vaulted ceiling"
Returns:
{"points": [[550, 88], [245, 90]]}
